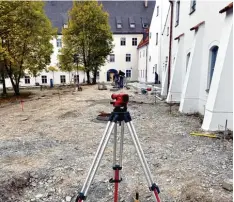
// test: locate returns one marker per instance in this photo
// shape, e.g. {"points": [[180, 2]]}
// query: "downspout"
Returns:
{"points": [[170, 46], [146, 70]]}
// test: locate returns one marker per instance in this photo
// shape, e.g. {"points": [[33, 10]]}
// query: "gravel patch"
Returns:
{"points": [[47, 149]]}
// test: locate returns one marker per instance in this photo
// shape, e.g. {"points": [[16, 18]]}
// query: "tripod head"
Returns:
{"points": [[120, 100]]}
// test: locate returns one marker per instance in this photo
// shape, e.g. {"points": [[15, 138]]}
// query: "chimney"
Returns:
{"points": [[145, 34], [146, 3]]}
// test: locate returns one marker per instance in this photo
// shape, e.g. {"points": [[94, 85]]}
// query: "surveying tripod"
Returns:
{"points": [[119, 115]]}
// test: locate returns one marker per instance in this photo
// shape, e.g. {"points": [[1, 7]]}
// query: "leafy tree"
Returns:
{"points": [[25, 32], [66, 61], [89, 35], [52, 69]]}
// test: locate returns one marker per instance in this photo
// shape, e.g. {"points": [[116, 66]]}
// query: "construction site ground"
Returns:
{"points": [[47, 149]]}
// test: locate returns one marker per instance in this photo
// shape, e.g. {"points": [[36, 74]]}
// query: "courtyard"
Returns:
{"points": [[47, 148]]}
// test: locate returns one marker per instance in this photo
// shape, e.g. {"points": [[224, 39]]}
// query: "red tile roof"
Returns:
{"points": [[229, 6], [178, 37], [197, 26], [143, 42]]}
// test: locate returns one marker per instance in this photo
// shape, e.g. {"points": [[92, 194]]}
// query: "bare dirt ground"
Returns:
{"points": [[46, 151]]}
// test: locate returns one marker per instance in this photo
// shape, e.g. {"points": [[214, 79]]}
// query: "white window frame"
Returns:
{"points": [[27, 79], [177, 19], [44, 79], [157, 14], [132, 25], [62, 79], [122, 41], [112, 57], [119, 25], [128, 73], [128, 57], [156, 38], [134, 41]]}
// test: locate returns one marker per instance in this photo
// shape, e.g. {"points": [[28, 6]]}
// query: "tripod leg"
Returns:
{"points": [[99, 157], [115, 145], [96, 161], [121, 144], [117, 168], [153, 187], [116, 171]]}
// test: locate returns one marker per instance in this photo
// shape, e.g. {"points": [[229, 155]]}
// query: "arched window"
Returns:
{"points": [[213, 56]]}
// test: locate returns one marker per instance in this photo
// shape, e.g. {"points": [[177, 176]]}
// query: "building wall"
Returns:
{"points": [[159, 25], [50, 75], [120, 57], [212, 33], [191, 77], [142, 63]]}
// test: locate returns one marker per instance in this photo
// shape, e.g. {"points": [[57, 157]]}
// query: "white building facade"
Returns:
{"points": [[201, 70], [158, 34], [124, 57], [128, 20]]}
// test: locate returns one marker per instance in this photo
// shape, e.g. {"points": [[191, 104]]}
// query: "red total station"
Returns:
{"points": [[120, 100]]}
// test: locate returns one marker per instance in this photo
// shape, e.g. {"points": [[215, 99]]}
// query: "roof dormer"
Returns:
{"points": [[119, 22], [132, 23]]}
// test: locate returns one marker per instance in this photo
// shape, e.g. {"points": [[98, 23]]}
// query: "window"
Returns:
{"points": [[123, 41], [145, 23], [44, 79], [149, 58], [187, 60], [213, 56], [112, 57], [143, 53], [27, 79], [65, 26], [118, 22], [156, 68], [192, 6], [132, 25], [62, 79], [153, 69], [134, 41], [177, 13], [128, 57], [119, 25], [157, 11], [131, 22], [143, 73], [59, 43], [140, 54], [76, 78], [156, 38], [168, 31], [150, 35], [128, 73]]}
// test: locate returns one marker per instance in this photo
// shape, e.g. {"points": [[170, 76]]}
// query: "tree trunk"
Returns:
{"points": [[15, 84], [4, 92], [16, 88], [95, 76], [88, 76]]}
